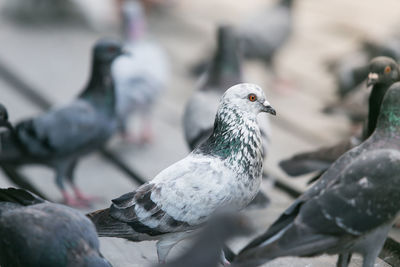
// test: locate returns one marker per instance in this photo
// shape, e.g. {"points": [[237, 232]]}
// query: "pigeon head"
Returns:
{"points": [[383, 70], [389, 116], [248, 98], [106, 50]]}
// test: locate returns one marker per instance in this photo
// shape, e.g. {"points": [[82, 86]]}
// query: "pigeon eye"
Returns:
{"points": [[252, 97], [388, 69]]}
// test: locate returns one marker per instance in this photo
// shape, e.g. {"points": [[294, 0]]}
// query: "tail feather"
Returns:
{"points": [[290, 242], [107, 226], [19, 196]]}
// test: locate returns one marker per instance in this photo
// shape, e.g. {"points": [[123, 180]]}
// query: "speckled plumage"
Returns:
{"points": [[350, 209], [224, 171]]}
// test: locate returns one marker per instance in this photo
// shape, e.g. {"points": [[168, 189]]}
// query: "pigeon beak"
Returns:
{"points": [[126, 52], [267, 108], [372, 78]]}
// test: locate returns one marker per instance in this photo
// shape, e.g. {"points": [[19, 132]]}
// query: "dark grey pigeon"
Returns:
{"points": [[350, 209], [383, 72], [206, 250], [265, 32], [37, 233], [225, 170], [224, 71], [61, 136]]}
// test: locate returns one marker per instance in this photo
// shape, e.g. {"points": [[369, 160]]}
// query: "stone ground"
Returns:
{"points": [[56, 61]]}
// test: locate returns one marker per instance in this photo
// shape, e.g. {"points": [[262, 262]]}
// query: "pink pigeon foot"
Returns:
{"points": [[72, 202], [85, 198], [283, 86]]}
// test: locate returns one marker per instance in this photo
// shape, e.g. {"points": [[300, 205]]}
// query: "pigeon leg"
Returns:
{"points": [[80, 197], [343, 260], [146, 135], [165, 244], [223, 259]]}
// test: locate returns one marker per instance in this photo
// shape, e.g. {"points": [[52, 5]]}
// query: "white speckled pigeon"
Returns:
{"points": [[38, 233], [264, 33], [350, 209], [225, 170], [223, 72], [383, 72], [140, 77], [61, 136]]}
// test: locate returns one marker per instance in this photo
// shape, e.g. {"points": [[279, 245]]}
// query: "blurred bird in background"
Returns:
{"points": [[61, 136], [383, 72], [140, 77]]}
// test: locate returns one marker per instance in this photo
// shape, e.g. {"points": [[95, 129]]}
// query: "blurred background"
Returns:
{"points": [[46, 44]]}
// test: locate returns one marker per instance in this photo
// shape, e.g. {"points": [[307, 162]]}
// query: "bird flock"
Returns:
{"points": [[350, 206]]}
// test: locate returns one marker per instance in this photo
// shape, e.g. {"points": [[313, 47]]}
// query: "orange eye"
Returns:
{"points": [[388, 69], [252, 97]]}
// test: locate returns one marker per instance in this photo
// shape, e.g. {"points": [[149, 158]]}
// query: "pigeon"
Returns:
{"points": [[140, 77], [265, 32], [383, 72], [351, 207], [61, 136], [207, 246], [225, 170], [39, 233], [224, 71]]}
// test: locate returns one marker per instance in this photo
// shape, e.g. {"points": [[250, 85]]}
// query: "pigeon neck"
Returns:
{"points": [[236, 139], [389, 118], [375, 102], [134, 29], [225, 70], [100, 89]]}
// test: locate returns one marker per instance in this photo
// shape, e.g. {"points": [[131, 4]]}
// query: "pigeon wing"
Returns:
{"points": [[63, 130]]}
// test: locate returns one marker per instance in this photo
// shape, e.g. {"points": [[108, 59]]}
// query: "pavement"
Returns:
{"points": [[56, 61]]}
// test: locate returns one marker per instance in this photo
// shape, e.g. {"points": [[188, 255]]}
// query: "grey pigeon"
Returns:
{"points": [[223, 72], [265, 32], [207, 246], [61, 136], [383, 72], [38, 233], [140, 77], [350, 209], [225, 170]]}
